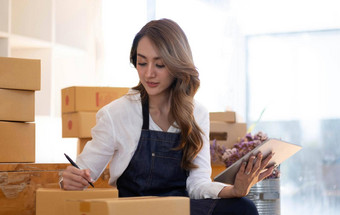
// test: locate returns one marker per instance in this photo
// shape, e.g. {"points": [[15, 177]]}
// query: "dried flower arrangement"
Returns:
{"points": [[245, 145]]}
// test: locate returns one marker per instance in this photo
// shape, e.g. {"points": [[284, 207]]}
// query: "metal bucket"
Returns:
{"points": [[266, 196]]}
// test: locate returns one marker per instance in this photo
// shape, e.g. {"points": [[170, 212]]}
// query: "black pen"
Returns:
{"points": [[75, 165]]}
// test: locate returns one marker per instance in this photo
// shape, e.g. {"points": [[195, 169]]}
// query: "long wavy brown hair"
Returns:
{"points": [[175, 52]]}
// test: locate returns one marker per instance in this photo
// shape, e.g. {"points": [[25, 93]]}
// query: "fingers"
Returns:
{"points": [[75, 179], [243, 166], [256, 166], [87, 175], [258, 162], [72, 185], [249, 165], [265, 162], [266, 173], [84, 173]]}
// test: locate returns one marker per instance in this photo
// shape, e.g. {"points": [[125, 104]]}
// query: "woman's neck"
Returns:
{"points": [[159, 108], [160, 103]]}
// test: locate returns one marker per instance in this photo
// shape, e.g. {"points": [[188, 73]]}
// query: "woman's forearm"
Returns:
{"points": [[227, 192], [232, 192]]}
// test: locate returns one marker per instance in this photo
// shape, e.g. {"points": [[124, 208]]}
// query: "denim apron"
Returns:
{"points": [[155, 168]]}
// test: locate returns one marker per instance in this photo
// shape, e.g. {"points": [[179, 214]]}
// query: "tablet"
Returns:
{"points": [[283, 150]]}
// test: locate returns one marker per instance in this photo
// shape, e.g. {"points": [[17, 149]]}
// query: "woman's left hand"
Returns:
{"points": [[250, 173]]}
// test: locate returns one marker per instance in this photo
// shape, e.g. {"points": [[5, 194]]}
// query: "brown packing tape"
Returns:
{"points": [[85, 207]]}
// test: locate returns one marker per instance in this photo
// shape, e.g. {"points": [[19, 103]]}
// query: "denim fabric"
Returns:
{"points": [[235, 206], [232, 206], [202, 206], [155, 169]]}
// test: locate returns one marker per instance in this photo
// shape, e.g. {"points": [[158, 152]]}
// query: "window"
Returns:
{"points": [[294, 77]]}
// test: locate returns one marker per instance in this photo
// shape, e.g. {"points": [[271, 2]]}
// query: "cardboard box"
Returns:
{"points": [[17, 142], [19, 73], [76, 99], [81, 144], [216, 169], [78, 124], [127, 206], [227, 134], [51, 201], [17, 105], [228, 116], [19, 182]]}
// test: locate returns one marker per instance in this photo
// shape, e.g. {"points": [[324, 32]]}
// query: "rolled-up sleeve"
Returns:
{"points": [[98, 152]]}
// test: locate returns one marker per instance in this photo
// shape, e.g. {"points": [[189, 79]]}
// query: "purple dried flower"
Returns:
{"points": [[246, 144]]}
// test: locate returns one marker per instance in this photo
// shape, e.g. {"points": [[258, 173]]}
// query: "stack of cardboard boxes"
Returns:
{"points": [[20, 176], [226, 130], [79, 108], [19, 79]]}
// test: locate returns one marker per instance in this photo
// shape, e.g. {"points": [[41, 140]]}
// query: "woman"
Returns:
{"points": [[156, 137]]}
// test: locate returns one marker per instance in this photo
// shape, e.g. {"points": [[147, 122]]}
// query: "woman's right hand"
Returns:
{"points": [[75, 179]]}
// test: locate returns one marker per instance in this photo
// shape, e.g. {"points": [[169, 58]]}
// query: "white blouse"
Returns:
{"points": [[116, 135]]}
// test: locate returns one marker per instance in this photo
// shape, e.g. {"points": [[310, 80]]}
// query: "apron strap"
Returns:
{"points": [[145, 109]]}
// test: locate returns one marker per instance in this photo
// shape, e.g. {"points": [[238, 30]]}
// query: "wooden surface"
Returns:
{"points": [[19, 181]]}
